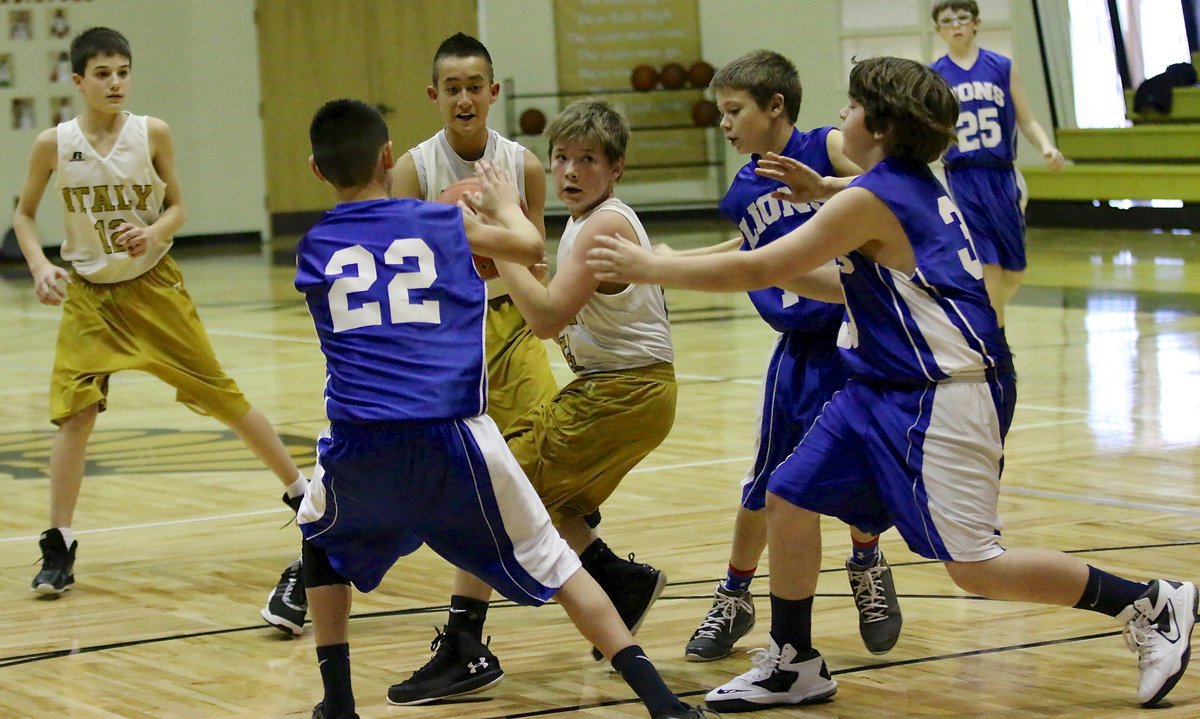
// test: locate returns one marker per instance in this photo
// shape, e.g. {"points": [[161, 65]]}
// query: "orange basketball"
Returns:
{"points": [[706, 114], [450, 196], [700, 74], [643, 78], [673, 76], [532, 121]]}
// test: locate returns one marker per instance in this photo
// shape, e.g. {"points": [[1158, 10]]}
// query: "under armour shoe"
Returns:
{"points": [[1158, 627], [57, 574], [688, 713], [460, 665], [879, 619], [287, 604], [632, 587], [730, 618], [780, 676], [319, 713]]}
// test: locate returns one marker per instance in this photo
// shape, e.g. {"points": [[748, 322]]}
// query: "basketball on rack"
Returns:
{"points": [[706, 114], [532, 121], [673, 76], [450, 196], [643, 78], [700, 74]]}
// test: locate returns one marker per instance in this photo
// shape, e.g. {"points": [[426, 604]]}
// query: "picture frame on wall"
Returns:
{"points": [[24, 115], [6, 70], [60, 66], [20, 25], [62, 108], [59, 23]]}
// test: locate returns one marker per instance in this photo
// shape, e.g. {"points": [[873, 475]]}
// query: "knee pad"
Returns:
{"points": [[318, 572]]}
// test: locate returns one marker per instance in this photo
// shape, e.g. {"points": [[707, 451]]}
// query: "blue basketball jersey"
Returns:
{"points": [[935, 325], [398, 308], [762, 218], [987, 119]]}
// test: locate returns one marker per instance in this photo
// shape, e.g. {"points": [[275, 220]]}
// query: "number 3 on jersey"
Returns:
{"points": [[966, 255], [401, 307]]}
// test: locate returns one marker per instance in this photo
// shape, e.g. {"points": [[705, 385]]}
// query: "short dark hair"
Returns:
{"points": [[461, 45], [590, 120], [346, 137], [969, 5], [94, 42], [763, 74], [909, 102]]}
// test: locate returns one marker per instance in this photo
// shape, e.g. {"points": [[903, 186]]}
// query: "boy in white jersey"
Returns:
{"points": [[577, 447], [124, 304], [464, 90], [916, 437]]}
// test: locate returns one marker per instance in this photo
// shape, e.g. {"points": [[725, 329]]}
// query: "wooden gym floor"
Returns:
{"points": [[182, 534]]}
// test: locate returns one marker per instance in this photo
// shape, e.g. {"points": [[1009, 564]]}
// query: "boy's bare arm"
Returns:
{"points": [[730, 245], [1030, 127], [804, 184], [507, 233], [136, 240], [549, 309], [43, 159], [405, 182], [823, 284], [535, 192], [852, 220]]}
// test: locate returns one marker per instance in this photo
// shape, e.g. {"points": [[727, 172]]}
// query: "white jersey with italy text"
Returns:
{"points": [[614, 332], [101, 193]]}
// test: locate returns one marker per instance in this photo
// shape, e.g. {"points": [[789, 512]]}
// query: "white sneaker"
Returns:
{"points": [[1158, 626], [779, 676]]}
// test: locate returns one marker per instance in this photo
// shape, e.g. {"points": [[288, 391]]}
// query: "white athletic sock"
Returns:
{"points": [[296, 489], [67, 534]]}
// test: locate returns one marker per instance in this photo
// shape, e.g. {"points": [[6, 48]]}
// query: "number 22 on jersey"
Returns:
{"points": [[401, 307]]}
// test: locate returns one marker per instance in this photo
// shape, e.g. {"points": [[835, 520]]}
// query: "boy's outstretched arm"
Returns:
{"points": [[731, 245], [43, 158], [852, 220], [804, 184]]}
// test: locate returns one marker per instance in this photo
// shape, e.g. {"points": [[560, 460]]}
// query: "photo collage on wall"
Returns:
{"points": [[35, 65]]}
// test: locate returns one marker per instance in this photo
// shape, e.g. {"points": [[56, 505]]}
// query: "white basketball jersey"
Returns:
{"points": [[439, 166], [101, 193], [621, 331]]}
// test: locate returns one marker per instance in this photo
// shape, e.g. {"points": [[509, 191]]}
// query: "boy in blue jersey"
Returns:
{"points": [[916, 437], [409, 457], [979, 165], [759, 96]]}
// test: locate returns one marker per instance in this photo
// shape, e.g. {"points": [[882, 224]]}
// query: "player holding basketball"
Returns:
{"points": [[578, 447], [916, 437], [124, 305], [979, 165], [409, 457]]}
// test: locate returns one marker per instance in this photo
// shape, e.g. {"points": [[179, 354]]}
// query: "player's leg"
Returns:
{"points": [[874, 590], [519, 376], [67, 458], [330, 599], [959, 459]]}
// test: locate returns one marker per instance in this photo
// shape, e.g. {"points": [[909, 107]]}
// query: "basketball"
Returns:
{"points": [[706, 114], [450, 196], [700, 74], [643, 78], [532, 121], [673, 76]]}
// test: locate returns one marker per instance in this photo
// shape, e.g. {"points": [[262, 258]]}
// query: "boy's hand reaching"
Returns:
{"points": [[497, 189], [804, 184], [616, 259]]}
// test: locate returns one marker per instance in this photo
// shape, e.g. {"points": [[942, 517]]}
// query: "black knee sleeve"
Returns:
{"points": [[318, 572]]}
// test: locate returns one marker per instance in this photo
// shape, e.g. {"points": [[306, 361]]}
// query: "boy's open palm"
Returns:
{"points": [[616, 259]]}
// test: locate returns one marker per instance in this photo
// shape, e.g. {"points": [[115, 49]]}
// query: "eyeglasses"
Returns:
{"points": [[957, 20]]}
